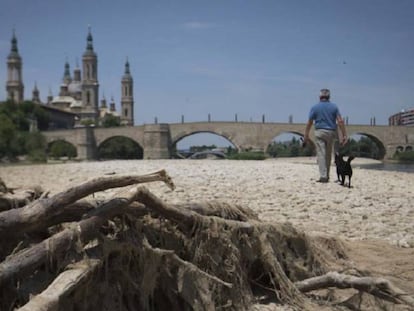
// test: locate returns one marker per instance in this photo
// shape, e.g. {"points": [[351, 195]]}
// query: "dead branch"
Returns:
{"points": [[220, 209], [63, 286], [9, 199], [25, 261], [30, 217], [199, 297], [287, 289], [182, 216], [188, 265], [3, 187], [378, 287]]}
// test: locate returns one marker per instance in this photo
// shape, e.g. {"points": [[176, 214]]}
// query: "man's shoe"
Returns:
{"points": [[323, 180]]}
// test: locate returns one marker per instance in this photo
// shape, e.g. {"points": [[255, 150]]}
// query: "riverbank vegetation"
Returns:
{"points": [[292, 148], [16, 139], [404, 156]]}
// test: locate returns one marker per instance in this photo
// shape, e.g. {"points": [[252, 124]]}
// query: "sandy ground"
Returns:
{"points": [[375, 215], [379, 205]]}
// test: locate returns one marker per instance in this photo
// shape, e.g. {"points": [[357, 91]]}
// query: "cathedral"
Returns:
{"points": [[78, 94]]}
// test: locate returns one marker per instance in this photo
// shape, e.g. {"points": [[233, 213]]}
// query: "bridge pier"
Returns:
{"points": [[157, 141], [86, 147]]}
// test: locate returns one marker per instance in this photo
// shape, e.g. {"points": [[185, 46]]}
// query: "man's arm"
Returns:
{"points": [[307, 129], [341, 126]]}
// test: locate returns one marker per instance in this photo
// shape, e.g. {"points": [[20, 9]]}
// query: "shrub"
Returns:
{"points": [[249, 155], [37, 156], [405, 156], [61, 148]]}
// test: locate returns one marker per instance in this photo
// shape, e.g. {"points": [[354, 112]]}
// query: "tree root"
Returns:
{"points": [[62, 286], [378, 287]]}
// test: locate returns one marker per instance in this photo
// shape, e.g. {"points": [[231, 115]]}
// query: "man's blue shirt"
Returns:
{"points": [[324, 115]]}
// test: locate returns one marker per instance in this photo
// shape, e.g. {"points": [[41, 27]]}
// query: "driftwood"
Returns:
{"points": [[62, 287], [378, 287], [54, 247], [14, 199], [3, 187], [146, 254], [185, 217], [21, 220]]}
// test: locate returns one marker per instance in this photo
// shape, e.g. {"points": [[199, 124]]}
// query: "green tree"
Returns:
{"points": [[365, 147], [404, 156], [120, 148], [8, 135], [87, 122], [110, 120], [35, 145], [292, 148], [15, 139], [61, 148], [202, 148]]}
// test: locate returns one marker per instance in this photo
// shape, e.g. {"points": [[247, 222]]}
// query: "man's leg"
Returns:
{"points": [[320, 142], [328, 155]]}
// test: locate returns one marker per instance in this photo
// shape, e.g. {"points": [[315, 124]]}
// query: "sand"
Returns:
{"points": [[379, 205], [374, 218]]}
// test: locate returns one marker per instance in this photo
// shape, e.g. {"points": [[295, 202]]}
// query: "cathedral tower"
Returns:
{"points": [[65, 81], [36, 95], [90, 85], [14, 85], [127, 99]]}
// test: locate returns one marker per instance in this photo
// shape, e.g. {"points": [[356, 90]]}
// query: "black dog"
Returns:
{"points": [[343, 168]]}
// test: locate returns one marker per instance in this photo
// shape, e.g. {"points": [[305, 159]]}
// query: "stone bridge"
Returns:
{"points": [[159, 140]]}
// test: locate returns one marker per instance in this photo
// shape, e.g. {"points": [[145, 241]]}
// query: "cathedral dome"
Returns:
{"points": [[75, 87]]}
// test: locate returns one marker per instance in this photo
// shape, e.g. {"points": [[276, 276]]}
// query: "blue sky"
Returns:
{"points": [[224, 57]]}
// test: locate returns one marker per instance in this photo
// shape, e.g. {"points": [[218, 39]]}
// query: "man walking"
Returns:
{"points": [[327, 118]]}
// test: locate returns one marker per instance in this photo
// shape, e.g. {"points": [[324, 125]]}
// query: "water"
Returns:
{"points": [[396, 167]]}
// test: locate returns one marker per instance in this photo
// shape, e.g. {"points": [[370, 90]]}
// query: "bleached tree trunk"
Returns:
{"points": [[21, 220], [27, 260], [378, 287], [62, 287]]}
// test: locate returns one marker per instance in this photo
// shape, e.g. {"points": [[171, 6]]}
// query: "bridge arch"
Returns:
{"points": [[378, 143], [288, 132], [175, 140], [119, 147], [289, 143], [59, 148]]}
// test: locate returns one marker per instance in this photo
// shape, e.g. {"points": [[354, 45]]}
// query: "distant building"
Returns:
{"points": [[403, 118], [78, 96], [14, 84]]}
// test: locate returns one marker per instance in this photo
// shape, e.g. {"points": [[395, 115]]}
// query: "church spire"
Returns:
{"points": [[14, 84], [66, 75], [14, 51], [127, 72], [127, 97], [36, 94], [89, 39]]}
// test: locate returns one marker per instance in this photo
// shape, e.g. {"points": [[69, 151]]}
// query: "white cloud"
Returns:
{"points": [[198, 25]]}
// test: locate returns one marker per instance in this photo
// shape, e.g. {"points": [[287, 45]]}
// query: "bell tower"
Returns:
{"points": [[36, 95], [127, 98], [90, 85], [14, 84]]}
